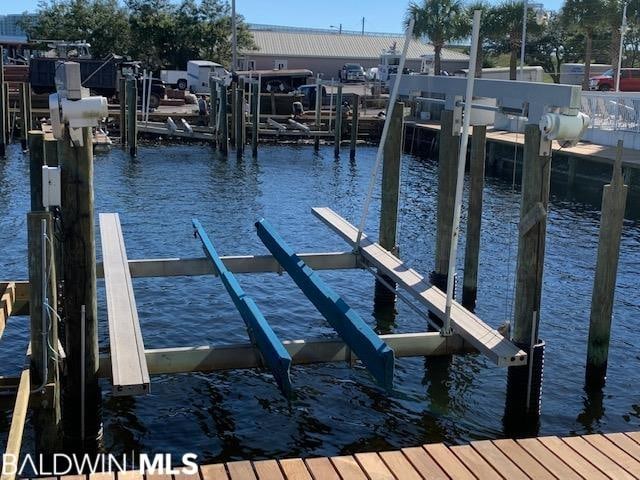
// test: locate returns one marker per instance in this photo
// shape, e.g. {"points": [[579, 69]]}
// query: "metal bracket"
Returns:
{"points": [[446, 332], [457, 116], [545, 147]]}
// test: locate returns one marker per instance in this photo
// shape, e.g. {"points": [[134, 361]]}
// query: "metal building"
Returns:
{"points": [[325, 51]]}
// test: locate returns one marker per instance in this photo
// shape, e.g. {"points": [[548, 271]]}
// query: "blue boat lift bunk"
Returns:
{"points": [[374, 353], [272, 352]]}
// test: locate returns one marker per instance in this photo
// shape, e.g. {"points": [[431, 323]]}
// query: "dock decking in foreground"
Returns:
{"points": [[611, 456]]}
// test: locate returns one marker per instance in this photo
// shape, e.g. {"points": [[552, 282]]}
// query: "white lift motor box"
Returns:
{"points": [[51, 187]]}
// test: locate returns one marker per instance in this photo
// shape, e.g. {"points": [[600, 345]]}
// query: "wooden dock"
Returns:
{"points": [[588, 151], [614, 456]]}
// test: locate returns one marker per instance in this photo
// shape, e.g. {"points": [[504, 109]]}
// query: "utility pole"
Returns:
{"points": [[234, 38], [623, 30], [362, 25]]}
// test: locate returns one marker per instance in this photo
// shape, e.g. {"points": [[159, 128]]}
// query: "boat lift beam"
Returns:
{"points": [[374, 353], [273, 353]]}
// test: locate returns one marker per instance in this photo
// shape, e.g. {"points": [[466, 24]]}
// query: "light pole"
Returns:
{"points": [[541, 18], [623, 30]]}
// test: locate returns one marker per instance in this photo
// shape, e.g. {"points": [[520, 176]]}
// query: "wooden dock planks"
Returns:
{"points": [[581, 457], [130, 375], [483, 337], [7, 302]]}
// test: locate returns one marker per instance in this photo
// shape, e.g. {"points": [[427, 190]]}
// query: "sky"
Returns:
{"points": [[380, 15]]}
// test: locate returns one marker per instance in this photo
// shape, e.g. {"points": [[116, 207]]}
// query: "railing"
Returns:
{"points": [[612, 111]]}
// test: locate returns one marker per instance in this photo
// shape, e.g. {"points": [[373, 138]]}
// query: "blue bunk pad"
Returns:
{"points": [[359, 337], [275, 356]]}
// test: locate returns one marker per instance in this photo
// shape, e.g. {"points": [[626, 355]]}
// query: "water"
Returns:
{"points": [[240, 414]]}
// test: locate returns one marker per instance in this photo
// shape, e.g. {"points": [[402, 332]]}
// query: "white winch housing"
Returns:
{"points": [[565, 129]]}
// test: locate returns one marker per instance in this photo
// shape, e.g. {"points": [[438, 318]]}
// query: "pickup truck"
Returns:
{"points": [[629, 80], [99, 76]]}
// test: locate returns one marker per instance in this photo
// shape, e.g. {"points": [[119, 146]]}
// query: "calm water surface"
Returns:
{"points": [[240, 414]]}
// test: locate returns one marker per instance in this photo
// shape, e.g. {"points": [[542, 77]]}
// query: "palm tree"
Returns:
{"points": [[440, 21], [584, 16]]}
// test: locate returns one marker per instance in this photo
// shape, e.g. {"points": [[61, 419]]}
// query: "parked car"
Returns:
{"points": [[351, 72], [629, 80]]}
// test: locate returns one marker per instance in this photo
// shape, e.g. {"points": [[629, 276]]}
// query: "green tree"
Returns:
{"points": [[103, 23], [439, 21], [505, 30], [584, 16]]}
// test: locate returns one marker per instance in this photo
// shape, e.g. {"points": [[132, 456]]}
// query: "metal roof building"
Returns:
{"points": [[325, 51]]}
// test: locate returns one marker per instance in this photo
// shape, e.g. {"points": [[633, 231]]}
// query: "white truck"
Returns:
{"points": [[196, 77]]}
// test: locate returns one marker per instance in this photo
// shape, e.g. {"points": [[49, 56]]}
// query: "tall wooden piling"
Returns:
{"points": [[384, 297], [27, 106], [122, 98], [338, 123], [44, 333], [474, 217], [255, 120], [79, 270], [22, 106], [3, 108], [132, 116], [223, 121], [36, 161], [614, 199], [354, 126], [447, 175], [239, 111], [213, 104], [233, 99], [242, 111], [571, 172], [318, 119], [524, 383]]}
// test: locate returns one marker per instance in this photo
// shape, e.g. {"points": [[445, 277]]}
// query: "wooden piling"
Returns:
{"points": [[233, 99], [474, 217], [223, 121], [28, 107], [122, 98], [536, 175], [44, 333], [614, 199], [354, 126], [447, 175], [571, 172], [51, 152], [318, 119], [22, 107], [242, 111], [255, 120], [3, 109], [213, 103], [36, 161], [79, 270], [524, 383], [338, 123], [239, 111], [132, 116]]}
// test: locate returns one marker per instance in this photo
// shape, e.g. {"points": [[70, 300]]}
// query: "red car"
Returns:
{"points": [[629, 81]]}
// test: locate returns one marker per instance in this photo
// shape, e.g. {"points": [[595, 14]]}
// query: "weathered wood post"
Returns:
{"points": [[239, 111], [122, 98], [28, 106], [132, 116], [223, 121], [474, 217], [524, 383], [36, 161], [614, 199], [24, 124], [447, 174], [233, 99], [43, 305], [338, 124], [318, 119], [384, 299], [79, 270], [242, 111], [255, 121], [571, 172], [3, 108], [354, 126], [213, 105]]}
